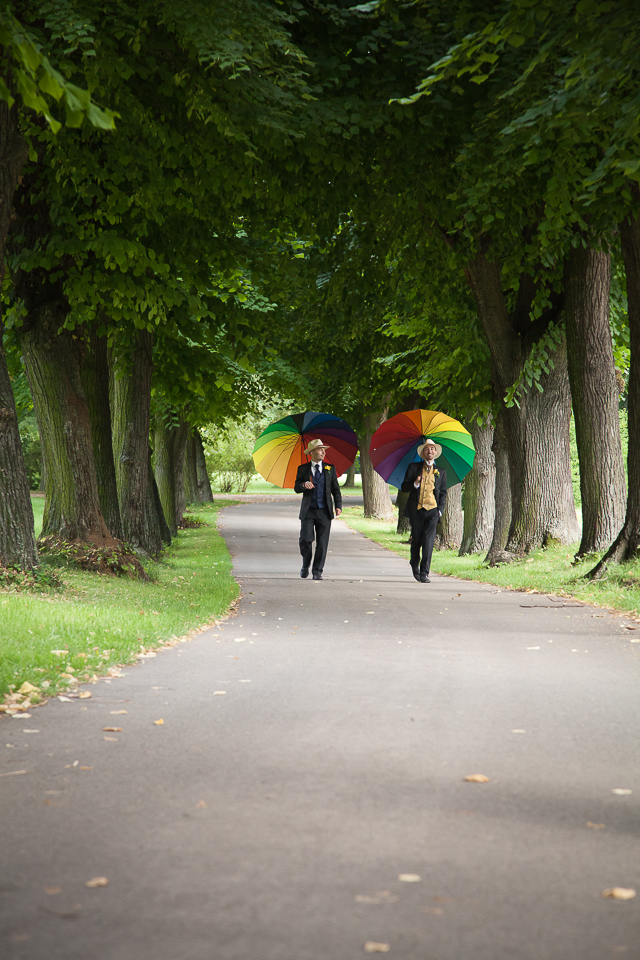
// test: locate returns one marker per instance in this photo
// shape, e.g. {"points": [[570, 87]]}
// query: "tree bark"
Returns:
{"points": [[205, 493], [169, 444], [626, 546], [165, 533], [404, 524], [479, 491], [375, 492], [191, 494], [449, 529], [95, 380], [131, 413], [594, 393], [17, 538], [537, 430], [502, 497]]}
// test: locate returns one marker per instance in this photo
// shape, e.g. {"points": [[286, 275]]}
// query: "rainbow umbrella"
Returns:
{"points": [[279, 449], [395, 443]]}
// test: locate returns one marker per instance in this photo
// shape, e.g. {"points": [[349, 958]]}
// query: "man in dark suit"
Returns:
{"points": [[318, 484], [427, 489]]}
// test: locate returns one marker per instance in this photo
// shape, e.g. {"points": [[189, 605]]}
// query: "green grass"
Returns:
{"points": [[545, 571], [258, 485], [100, 621]]}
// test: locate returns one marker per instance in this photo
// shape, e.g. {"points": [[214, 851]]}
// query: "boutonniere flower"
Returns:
{"points": [[436, 473], [327, 467]]}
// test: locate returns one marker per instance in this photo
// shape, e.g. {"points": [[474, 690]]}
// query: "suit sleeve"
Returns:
{"points": [[409, 479], [300, 479], [442, 496], [335, 489]]}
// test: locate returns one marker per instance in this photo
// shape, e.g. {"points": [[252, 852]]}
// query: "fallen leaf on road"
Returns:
{"points": [[12, 773], [113, 739], [113, 729], [621, 791], [382, 896], [21, 716], [371, 946], [65, 699], [518, 731], [84, 695], [595, 826], [629, 627], [158, 723], [409, 877], [29, 687], [619, 893], [72, 915], [201, 804], [436, 911], [29, 731], [52, 890], [114, 712], [97, 882], [86, 768], [219, 693], [239, 639], [532, 648], [477, 778]]}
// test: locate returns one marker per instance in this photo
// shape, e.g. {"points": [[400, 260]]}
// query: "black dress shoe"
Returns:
{"points": [[424, 578], [304, 573], [415, 572], [317, 576]]}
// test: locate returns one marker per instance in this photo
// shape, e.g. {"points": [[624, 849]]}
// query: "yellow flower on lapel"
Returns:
{"points": [[327, 468]]}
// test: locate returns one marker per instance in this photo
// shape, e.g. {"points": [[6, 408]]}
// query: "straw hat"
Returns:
{"points": [[314, 444], [421, 450]]}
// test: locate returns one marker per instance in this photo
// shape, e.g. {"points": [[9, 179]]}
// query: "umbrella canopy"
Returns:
{"points": [[395, 443], [279, 449]]}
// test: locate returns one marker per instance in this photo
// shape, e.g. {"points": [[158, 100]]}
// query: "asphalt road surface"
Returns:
{"points": [[314, 749]]}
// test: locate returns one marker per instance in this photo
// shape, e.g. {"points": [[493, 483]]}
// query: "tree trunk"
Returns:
{"points": [[95, 380], [375, 491], [594, 393], [17, 538], [502, 498], [131, 413], [205, 493], [169, 444], [190, 470], [350, 480], [165, 533], [52, 357], [626, 546], [449, 529], [479, 492], [537, 430], [404, 524]]}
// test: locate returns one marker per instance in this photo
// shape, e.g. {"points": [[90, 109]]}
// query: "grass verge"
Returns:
{"points": [[52, 639], [544, 571]]}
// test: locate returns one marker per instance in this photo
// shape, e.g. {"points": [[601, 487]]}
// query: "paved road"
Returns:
{"points": [[273, 821]]}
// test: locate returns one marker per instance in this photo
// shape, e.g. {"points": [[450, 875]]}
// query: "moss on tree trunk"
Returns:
{"points": [[205, 493], [170, 440]]}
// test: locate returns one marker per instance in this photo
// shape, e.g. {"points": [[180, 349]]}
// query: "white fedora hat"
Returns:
{"points": [[420, 450], [314, 444]]}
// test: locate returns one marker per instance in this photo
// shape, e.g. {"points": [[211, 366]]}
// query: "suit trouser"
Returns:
{"points": [[316, 523], [423, 535]]}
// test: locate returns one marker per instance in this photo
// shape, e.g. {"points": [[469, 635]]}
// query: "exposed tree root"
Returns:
{"points": [[118, 560]]}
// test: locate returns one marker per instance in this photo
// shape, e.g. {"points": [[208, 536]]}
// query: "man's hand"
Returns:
{"points": [[308, 485], [338, 511]]}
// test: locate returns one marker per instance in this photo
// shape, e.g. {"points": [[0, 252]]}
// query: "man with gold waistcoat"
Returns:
{"points": [[427, 489]]}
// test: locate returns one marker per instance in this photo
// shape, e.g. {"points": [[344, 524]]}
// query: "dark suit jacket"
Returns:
{"points": [[439, 490], [331, 488]]}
